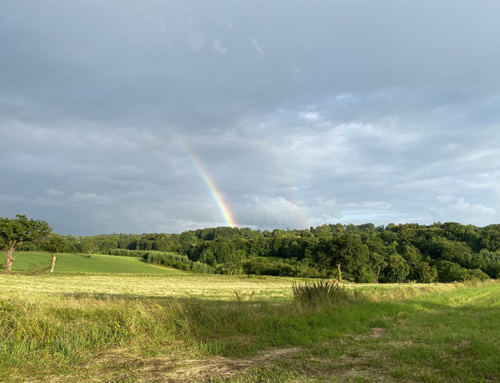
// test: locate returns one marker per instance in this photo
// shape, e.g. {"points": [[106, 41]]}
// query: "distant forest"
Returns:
{"points": [[442, 252]]}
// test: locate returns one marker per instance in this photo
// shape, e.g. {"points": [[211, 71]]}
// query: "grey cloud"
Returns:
{"points": [[302, 112], [99, 60]]}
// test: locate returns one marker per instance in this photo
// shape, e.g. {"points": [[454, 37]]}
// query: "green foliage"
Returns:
{"points": [[15, 232], [366, 275], [366, 253], [281, 267], [474, 275], [181, 262], [126, 253], [489, 261], [425, 273], [54, 244], [398, 269], [449, 271]]}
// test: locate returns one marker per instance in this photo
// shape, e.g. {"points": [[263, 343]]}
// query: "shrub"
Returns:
{"points": [[474, 275], [366, 276], [170, 259], [321, 293], [426, 273], [125, 253], [449, 271]]}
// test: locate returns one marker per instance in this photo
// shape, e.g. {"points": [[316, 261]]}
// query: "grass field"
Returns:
{"points": [[33, 262], [207, 287], [193, 328]]}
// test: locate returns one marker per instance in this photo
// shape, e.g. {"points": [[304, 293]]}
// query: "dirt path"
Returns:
{"points": [[201, 370]]}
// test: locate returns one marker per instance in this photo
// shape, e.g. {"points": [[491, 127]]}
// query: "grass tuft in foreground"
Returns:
{"points": [[323, 293]]}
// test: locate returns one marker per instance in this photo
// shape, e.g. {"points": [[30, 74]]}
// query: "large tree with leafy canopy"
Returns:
{"points": [[15, 232]]}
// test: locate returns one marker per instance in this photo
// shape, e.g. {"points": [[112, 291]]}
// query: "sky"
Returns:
{"points": [[151, 116]]}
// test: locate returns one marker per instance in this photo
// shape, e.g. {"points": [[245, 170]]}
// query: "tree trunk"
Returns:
{"points": [[9, 259], [53, 263]]}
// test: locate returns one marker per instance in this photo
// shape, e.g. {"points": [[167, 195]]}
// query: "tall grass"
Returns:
{"points": [[323, 293]]}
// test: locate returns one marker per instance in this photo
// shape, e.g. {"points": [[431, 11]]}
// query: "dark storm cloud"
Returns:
{"points": [[303, 112]]}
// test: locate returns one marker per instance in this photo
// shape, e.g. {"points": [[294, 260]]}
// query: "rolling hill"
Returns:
{"points": [[30, 261]]}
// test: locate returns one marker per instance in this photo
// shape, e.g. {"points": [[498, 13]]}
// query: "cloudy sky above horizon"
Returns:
{"points": [[301, 113]]}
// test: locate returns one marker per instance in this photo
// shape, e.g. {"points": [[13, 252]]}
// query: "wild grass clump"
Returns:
{"points": [[323, 293]]}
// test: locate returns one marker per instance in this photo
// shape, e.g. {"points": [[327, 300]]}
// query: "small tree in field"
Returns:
{"points": [[54, 244], [15, 232]]}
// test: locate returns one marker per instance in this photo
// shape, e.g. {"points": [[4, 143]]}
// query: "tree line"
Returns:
{"points": [[443, 252]]}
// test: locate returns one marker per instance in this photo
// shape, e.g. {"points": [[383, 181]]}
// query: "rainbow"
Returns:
{"points": [[217, 195]]}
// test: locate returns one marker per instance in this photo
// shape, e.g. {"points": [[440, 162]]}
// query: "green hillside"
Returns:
{"points": [[31, 261]]}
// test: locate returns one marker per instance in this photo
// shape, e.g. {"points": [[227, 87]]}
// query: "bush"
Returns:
{"points": [[125, 252], [366, 276], [449, 271], [181, 262], [474, 275], [321, 293], [170, 259], [279, 267], [426, 273]]}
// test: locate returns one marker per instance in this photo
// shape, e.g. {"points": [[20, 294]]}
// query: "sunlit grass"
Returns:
{"points": [[215, 287], [73, 335], [38, 262]]}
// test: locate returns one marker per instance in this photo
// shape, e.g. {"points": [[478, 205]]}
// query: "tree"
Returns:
{"points": [[15, 232], [235, 261], [378, 264], [398, 268], [413, 257], [449, 271], [425, 273], [348, 250], [54, 244]]}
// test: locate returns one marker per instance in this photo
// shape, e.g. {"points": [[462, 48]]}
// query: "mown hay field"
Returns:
{"points": [[212, 287], [218, 287]]}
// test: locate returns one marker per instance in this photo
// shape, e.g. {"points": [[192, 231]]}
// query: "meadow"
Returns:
{"points": [[37, 261], [133, 327]]}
